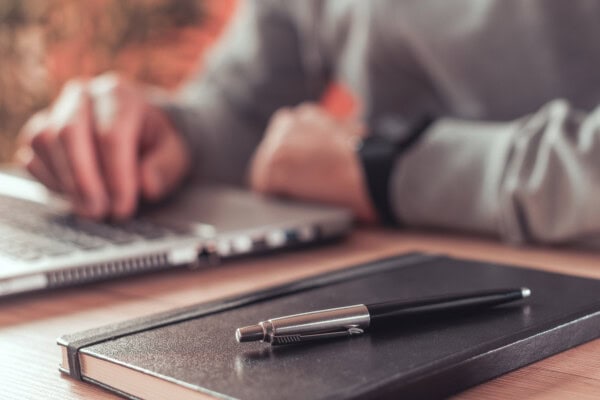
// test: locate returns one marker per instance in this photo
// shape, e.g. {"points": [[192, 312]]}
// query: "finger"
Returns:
{"points": [[43, 145], [282, 115], [312, 115], [308, 110], [64, 127], [118, 161], [77, 143], [117, 113], [258, 179], [267, 168], [279, 125], [36, 124], [162, 167], [62, 170], [35, 141], [38, 169]]}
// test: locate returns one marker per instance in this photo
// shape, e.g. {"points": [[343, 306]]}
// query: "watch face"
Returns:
{"points": [[396, 128], [392, 127]]}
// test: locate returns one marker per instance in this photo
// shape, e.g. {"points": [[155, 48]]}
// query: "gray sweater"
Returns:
{"points": [[516, 150]]}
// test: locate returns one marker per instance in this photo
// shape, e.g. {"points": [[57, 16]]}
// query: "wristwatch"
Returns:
{"points": [[388, 139]]}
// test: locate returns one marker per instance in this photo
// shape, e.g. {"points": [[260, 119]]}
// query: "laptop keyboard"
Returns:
{"points": [[28, 231]]}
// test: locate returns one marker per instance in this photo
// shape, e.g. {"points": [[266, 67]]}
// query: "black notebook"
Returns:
{"points": [[192, 352]]}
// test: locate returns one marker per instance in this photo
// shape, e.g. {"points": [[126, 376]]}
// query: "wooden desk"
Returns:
{"points": [[30, 325]]}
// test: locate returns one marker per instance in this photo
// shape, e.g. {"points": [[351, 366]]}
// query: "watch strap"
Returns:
{"points": [[378, 153]]}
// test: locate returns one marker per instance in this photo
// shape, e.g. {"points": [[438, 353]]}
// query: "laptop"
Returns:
{"points": [[43, 246]]}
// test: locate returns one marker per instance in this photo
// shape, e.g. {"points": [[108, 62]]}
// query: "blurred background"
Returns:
{"points": [[44, 43]]}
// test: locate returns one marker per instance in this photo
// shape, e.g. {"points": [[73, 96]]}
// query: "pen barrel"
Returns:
{"points": [[392, 312], [323, 321]]}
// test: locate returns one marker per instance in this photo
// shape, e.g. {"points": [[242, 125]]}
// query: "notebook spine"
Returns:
{"points": [[100, 271]]}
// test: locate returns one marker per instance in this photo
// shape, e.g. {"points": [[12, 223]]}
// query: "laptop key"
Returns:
{"points": [[30, 231]]}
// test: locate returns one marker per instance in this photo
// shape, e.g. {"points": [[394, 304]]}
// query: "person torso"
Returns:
{"points": [[476, 59]]}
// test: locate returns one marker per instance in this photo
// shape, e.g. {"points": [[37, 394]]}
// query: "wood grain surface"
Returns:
{"points": [[30, 324]]}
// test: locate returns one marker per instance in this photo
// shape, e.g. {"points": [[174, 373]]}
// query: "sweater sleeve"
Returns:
{"points": [[535, 179]]}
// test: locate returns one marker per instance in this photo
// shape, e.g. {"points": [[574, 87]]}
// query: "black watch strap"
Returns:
{"points": [[378, 153]]}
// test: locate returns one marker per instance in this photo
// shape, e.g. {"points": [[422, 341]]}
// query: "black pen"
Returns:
{"points": [[356, 319]]}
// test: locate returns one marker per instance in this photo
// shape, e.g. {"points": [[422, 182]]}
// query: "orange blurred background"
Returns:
{"points": [[164, 57]]}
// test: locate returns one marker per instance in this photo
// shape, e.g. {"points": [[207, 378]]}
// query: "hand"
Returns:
{"points": [[103, 145], [308, 154]]}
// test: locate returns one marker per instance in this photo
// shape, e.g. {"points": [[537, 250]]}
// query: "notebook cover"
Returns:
{"points": [[196, 346]]}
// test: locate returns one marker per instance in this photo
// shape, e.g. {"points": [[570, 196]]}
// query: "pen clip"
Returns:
{"points": [[351, 330]]}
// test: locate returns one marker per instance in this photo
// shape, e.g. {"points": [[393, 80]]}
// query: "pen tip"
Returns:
{"points": [[525, 292], [250, 333]]}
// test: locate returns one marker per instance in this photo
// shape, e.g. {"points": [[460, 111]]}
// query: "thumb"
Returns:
{"points": [[163, 166]]}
